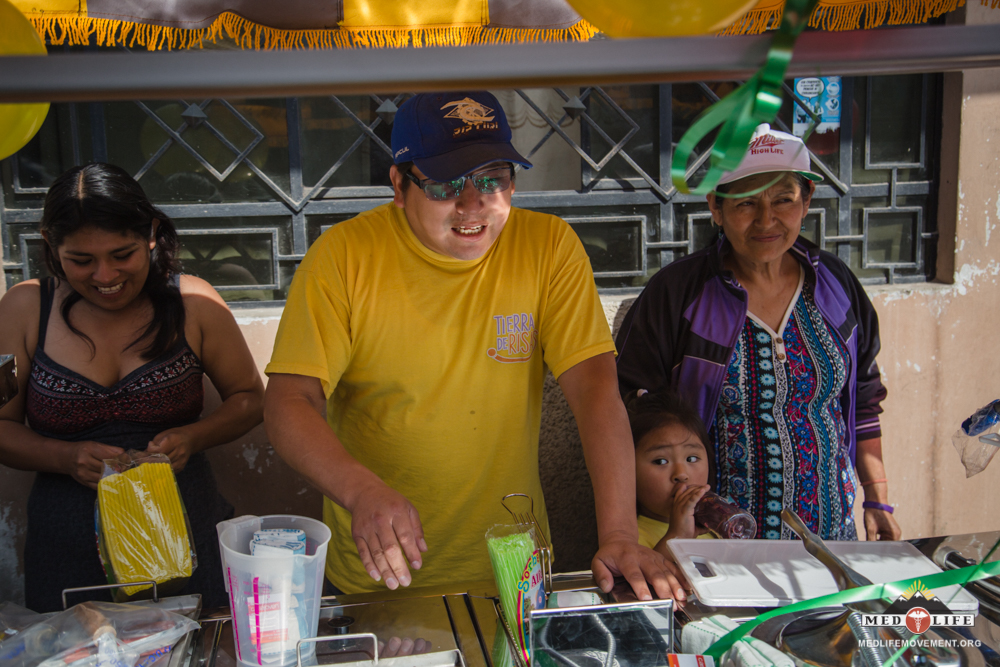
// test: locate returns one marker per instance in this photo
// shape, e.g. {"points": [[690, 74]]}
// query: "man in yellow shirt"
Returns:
{"points": [[423, 327]]}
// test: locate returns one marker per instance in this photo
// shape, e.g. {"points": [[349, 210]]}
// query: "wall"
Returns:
{"points": [[940, 341], [940, 361]]}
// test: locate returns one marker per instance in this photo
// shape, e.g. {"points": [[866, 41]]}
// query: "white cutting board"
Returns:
{"points": [[775, 573]]}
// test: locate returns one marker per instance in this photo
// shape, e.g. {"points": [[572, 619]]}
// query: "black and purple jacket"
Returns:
{"points": [[681, 331]]}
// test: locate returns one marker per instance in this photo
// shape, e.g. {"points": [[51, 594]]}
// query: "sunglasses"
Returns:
{"points": [[488, 182]]}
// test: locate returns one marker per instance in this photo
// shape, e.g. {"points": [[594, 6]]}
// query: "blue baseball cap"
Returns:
{"points": [[448, 135]]}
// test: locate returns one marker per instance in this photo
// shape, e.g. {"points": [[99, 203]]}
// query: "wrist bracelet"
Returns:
{"points": [[874, 481], [872, 505]]}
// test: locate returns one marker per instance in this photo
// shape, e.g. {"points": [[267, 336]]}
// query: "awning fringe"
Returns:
{"points": [[71, 28], [78, 30], [835, 17]]}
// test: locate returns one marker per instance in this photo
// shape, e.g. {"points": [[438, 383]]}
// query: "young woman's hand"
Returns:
{"points": [[176, 444], [682, 514], [85, 461]]}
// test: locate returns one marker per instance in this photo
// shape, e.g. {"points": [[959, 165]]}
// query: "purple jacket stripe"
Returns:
{"points": [[691, 312]]}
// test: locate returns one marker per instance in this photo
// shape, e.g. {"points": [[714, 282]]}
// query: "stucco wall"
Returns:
{"points": [[940, 361]]}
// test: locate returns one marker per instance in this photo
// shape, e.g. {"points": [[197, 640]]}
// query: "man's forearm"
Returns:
{"points": [[610, 456], [591, 389], [303, 439]]}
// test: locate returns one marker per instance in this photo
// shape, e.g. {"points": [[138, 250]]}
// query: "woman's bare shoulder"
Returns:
{"points": [[22, 297], [19, 309], [202, 304], [193, 286]]}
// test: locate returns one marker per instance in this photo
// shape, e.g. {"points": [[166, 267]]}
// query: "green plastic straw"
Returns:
{"points": [[502, 649], [508, 555]]}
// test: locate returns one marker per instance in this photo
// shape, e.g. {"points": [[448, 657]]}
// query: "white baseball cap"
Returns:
{"points": [[769, 151]]}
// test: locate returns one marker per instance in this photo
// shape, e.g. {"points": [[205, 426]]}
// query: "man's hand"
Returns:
{"points": [[638, 564], [880, 525], [386, 528], [85, 461], [176, 444], [387, 531], [403, 646]]}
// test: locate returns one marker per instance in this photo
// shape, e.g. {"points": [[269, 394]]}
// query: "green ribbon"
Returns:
{"points": [[889, 591], [739, 113]]}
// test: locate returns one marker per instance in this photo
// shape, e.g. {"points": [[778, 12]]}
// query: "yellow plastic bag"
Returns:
{"points": [[142, 528]]}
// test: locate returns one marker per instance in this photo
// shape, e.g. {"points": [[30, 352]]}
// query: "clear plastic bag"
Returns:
{"points": [[977, 441], [517, 568], [15, 619], [98, 634], [143, 532]]}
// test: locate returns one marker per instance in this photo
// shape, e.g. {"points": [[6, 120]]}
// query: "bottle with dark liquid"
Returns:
{"points": [[725, 520]]}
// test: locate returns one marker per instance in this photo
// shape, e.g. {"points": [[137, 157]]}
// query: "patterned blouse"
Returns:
{"points": [[779, 429]]}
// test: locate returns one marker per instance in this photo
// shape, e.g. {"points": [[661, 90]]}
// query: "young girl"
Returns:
{"points": [[673, 467]]}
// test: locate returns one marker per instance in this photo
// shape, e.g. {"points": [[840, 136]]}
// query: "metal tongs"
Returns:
{"points": [[526, 519], [835, 641]]}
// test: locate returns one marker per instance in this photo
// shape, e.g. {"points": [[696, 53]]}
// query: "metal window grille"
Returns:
{"points": [[251, 183]]}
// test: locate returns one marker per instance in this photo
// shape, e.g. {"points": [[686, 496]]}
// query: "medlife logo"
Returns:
{"points": [[919, 610]]}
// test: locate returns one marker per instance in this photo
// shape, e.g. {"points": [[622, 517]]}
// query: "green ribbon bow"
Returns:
{"points": [[889, 591], [739, 113]]}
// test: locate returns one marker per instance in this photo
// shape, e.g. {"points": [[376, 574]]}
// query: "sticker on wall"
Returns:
{"points": [[822, 95]]}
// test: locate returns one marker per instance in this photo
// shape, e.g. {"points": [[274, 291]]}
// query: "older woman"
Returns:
{"points": [[774, 341], [111, 351]]}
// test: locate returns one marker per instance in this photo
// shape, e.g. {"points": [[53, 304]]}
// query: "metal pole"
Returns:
{"points": [[208, 73]]}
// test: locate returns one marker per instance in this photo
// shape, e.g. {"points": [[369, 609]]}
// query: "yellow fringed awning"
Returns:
{"points": [[289, 24], [326, 24], [836, 15]]}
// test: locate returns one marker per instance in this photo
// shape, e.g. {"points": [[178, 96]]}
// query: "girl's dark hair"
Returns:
{"points": [[654, 410], [106, 197]]}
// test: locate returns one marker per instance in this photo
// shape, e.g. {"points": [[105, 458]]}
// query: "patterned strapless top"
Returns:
{"points": [[167, 390]]}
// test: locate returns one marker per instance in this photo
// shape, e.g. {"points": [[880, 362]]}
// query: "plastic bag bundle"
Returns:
{"points": [[15, 618], [517, 569], [143, 531], [977, 442], [98, 634]]}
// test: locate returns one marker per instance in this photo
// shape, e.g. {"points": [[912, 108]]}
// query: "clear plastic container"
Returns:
{"points": [[977, 441], [725, 520], [274, 600]]}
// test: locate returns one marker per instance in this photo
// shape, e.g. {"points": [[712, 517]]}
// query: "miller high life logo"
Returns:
{"points": [[918, 609], [766, 143], [473, 114]]}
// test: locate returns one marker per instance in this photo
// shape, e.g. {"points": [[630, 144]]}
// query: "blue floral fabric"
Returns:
{"points": [[779, 430]]}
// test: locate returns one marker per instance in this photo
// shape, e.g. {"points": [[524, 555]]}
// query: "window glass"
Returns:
{"points": [[252, 183], [894, 122]]}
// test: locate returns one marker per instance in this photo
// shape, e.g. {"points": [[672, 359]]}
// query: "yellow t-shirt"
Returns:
{"points": [[433, 370], [652, 531]]}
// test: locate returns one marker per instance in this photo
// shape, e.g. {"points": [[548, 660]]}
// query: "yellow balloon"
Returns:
{"points": [[18, 122], [661, 18]]}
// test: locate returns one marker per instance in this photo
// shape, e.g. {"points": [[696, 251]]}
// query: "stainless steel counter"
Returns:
{"points": [[455, 626]]}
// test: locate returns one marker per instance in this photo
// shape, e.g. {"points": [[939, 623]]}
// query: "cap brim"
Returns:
{"points": [[459, 162], [737, 175]]}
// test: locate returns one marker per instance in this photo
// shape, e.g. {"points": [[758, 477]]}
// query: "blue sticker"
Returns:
{"points": [[822, 95]]}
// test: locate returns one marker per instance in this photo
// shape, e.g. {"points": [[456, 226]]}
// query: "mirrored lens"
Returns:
{"points": [[493, 181], [443, 191], [487, 182]]}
